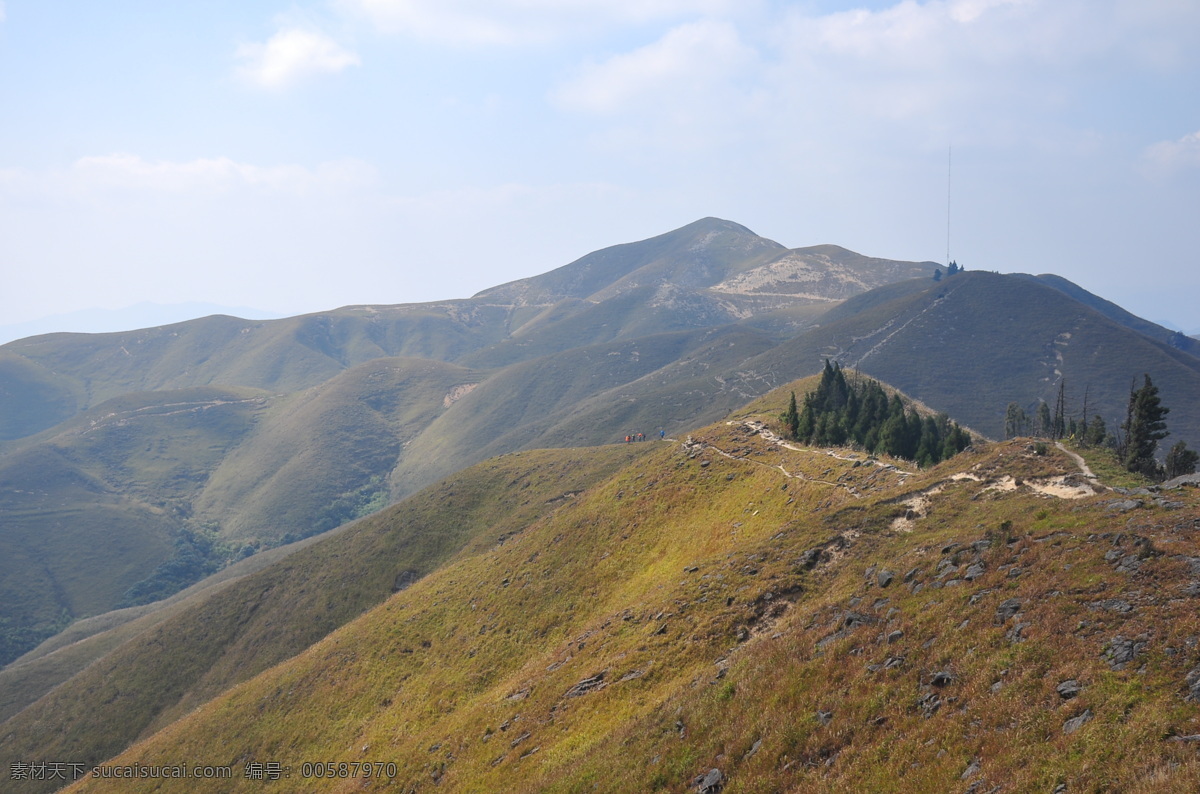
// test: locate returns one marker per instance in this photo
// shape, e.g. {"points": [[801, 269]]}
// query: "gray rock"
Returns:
{"points": [[1007, 609], [1017, 632], [1123, 505], [972, 769], [1179, 482], [852, 620], [941, 678], [754, 749], [1075, 723], [1068, 689], [824, 717], [895, 635], [1128, 564], [885, 578], [809, 559], [1193, 684], [911, 574], [974, 572], [1121, 651], [404, 579], [590, 684], [1113, 605], [711, 783]]}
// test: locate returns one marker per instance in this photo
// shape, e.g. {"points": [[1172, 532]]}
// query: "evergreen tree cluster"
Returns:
{"points": [[1145, 425], [841, 413]]}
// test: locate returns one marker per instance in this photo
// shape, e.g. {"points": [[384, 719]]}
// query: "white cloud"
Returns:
{"points": [[690, 61], [94, 177], [1171, 156], [510, 22], [291, 55], [1, 10]]}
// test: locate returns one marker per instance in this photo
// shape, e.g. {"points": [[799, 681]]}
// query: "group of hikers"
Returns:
{"points": [[642, 436]]}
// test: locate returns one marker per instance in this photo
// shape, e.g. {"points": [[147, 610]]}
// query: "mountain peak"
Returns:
{"points": [[699, 254]]}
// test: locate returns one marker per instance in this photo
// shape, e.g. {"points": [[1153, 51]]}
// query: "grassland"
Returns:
{"points": [[211, 642], [800, 620]]}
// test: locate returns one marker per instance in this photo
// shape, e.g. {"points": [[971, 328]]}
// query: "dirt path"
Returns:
{"points": [[1080, 462]]}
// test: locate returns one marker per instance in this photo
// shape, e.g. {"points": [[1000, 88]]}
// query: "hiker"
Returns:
{"points": [[662, 434]]}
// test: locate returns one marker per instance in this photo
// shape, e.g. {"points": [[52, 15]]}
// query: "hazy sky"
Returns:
{"points": [[298, 156]]}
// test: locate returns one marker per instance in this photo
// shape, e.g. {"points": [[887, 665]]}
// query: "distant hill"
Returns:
{"points": [[704, 275], [974, 342], [1114, 312], [731, 612], [141, 315]]}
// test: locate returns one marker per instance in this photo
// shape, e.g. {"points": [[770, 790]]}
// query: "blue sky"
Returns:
{"points": [[299, 156]]}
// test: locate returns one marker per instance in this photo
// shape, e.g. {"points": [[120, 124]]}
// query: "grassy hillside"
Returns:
{"points": [[33, 397], [320, 457], [70, 651], [264, 618], [93, 507], [43, 378], [584, 396], [796, 620]]}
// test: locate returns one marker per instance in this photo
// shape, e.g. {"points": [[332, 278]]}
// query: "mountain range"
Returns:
{"points": [[134, 464]]}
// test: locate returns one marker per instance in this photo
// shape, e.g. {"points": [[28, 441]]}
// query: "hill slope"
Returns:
{"points": [[228, 636], [972, 343], [776, 619]]}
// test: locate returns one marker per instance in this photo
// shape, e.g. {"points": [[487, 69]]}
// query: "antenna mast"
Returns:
{"points": [[949, 152]]}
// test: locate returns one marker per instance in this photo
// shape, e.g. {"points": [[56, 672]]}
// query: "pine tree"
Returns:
{"points": [[1043, 425], [1144, 428], [1015, 421], [1181, 460], [1096, 434], [791, 419]]}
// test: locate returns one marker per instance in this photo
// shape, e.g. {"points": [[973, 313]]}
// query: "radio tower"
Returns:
{"points": [[949, 152]]}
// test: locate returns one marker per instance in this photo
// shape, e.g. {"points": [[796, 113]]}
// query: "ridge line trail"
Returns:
{"points": [[1079, 461], [760, 429]]}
